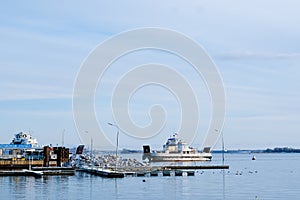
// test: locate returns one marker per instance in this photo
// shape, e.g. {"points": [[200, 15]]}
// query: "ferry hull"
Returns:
{"points": [[162, 157]]}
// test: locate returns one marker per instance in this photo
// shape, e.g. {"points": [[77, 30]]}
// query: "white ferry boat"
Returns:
{"points": [[24, 138], [22, 146], [176, 150]]}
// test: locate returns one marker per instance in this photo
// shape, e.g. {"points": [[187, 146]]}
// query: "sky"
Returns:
{"points": [[254, 44]]}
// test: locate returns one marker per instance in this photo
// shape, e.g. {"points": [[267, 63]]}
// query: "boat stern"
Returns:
{"points": [[146, 152]]}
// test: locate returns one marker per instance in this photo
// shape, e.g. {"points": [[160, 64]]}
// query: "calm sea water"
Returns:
{"points": [[271, 176]]}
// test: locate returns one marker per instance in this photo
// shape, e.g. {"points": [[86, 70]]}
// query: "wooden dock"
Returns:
{"points": [[19, 164]]}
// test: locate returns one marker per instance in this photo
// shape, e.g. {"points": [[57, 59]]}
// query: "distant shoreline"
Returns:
{"points": [[248, 151], [268, 150]]}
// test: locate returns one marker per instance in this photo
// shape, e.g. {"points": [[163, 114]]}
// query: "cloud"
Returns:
{"points": [[271, 118], [27, 91], [240, 55]]}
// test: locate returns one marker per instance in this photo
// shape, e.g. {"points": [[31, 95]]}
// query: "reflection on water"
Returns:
{"points": [[116, 188], [223, 178], [271, 176]]}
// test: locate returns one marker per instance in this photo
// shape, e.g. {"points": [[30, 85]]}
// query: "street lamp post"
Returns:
{"points": [[91, 153], [118, 131], [91, 147]]}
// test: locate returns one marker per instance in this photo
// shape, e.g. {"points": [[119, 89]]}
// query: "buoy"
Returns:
{"points": [[144, 180], [253, 158]]}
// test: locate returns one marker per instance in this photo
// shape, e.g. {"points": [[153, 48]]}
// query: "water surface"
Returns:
{"points": [[271, 176]]}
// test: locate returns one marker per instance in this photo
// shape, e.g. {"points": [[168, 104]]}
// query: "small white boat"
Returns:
{"points": [[176, 150]]}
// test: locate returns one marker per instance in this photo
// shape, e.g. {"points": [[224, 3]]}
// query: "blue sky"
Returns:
{"points": [[254, 44]]}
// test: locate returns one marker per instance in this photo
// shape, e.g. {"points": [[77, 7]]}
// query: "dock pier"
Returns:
{"points": [[39, 171], [149, 171], [108, 173]]}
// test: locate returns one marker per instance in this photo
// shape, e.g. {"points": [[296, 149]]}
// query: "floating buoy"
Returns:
{"points": [[253, 158]]}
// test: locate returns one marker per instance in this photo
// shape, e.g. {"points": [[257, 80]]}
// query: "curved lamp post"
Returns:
{"points": [[118, 131]]}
